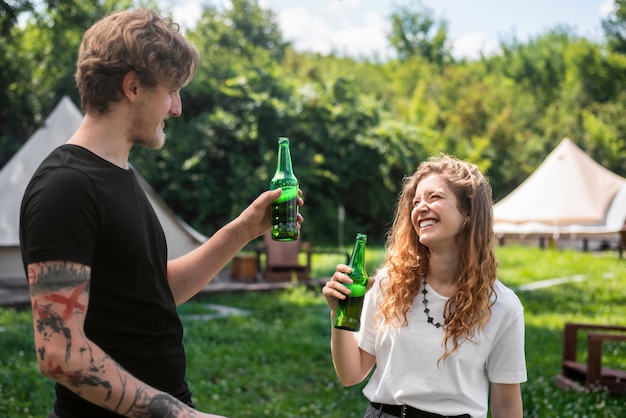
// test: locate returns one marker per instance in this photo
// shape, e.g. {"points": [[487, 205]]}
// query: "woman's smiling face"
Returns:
{"points": [[435, 215]]}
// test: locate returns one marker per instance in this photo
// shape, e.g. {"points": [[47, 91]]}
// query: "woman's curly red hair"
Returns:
{"points": [[407, 260]]}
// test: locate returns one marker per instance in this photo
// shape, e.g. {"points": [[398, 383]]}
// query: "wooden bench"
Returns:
{"points": [[591, 374], [282, 261]]}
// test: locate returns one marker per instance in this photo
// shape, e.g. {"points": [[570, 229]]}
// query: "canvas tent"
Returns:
{"points": [[569, 194], [14, 177]]}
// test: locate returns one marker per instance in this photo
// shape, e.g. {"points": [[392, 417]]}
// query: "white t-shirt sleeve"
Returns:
{"points": [[507, 361]]}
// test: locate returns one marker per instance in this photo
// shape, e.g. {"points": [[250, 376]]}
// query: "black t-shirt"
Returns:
{"points": [[79, 207]]}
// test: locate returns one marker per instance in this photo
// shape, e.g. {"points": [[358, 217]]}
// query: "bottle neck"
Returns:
{"points": [[357, 258], [284, 160]]}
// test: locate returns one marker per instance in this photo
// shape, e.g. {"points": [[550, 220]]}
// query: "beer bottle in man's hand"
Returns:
{"points": [[285, 208], [349, 310]]}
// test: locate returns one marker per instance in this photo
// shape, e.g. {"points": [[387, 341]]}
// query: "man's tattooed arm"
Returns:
{"points": [[59, 297]]}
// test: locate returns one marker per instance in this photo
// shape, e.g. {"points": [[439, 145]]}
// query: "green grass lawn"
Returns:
{"points": [[274, 361]]}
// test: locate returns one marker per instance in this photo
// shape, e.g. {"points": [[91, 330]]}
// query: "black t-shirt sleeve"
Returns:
{"points": [[59, 217]]}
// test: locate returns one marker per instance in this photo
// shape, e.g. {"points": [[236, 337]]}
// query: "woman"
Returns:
{"points": [[441, 329]]}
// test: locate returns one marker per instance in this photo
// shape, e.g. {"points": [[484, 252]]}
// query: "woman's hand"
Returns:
{"points": [[334, 289]]}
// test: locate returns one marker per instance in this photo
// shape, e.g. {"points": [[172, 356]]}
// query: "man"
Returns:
{"points": [[102, 291]]}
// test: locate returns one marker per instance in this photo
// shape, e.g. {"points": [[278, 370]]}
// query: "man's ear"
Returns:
{"points": [[130, 86]]}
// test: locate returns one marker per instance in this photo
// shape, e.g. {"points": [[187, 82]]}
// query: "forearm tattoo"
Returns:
{"points": [[48, 286], [59, 293]]}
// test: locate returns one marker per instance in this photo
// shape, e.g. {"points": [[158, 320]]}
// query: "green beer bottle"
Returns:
{"points": [[285, 208], [349, 310]]}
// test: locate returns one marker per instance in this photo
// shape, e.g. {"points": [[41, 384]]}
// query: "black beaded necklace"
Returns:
{"points": [[430, 319]]}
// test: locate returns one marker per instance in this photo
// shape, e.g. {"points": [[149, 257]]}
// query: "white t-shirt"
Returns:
{"points": [[406, 357]]}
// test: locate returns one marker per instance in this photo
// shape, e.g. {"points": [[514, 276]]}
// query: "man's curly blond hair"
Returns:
{"points": [[140, 41]]}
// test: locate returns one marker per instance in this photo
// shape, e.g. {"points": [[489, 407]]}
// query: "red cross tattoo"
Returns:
{"points": [[70, 303]]}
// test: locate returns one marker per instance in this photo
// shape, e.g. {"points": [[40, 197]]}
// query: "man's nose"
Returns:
{"points": [[177, 106]]}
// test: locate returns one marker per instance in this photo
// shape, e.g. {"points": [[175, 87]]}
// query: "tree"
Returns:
{"points": [[9, 13], [615, 28], [356, 127], [413, 34], [538, 65], [340, 164], [605, 130], [37, 61]]}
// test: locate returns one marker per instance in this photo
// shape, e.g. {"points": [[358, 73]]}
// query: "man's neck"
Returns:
{"points": [[104, 136]]}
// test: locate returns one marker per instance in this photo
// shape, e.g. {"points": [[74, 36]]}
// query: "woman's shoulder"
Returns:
{"points": [[506, 298], [381, 281]]}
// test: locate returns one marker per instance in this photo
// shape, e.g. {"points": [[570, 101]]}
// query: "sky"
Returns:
{"points": [[359, 28]]}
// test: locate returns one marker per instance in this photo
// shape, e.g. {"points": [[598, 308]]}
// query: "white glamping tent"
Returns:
{"points": [[569, 195], [15, 175]]}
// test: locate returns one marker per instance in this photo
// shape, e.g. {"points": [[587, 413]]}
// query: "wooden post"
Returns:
{"points": [[244, 268]]}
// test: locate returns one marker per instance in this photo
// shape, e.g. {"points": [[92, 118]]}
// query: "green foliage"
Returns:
{"points": [[339, 162], [24, 392], [9, 13], [37, 62], [357, 127], [538, 65], [615, 28], [221, 152], [413, 34]]}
